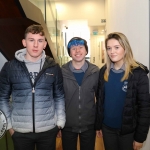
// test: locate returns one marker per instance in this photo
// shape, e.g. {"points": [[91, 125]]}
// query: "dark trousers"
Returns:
{"points": [[114, 141], [42, 141], [87, 140]]}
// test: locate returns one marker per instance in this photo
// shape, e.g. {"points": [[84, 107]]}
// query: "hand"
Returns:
{"points": [[59, 127], [137, 145], [11, 131], [99, 133], [59, 134]]}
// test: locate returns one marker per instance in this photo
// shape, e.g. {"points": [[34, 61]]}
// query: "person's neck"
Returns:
{"points": [[117, 66], [32, 59], [77, 65]]}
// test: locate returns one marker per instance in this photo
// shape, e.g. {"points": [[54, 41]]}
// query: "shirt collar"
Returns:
{"points": [[82, 69], [119, 70]]}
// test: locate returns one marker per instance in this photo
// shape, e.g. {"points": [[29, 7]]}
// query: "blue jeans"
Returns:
{"points": [[42, 141], [114, 141]]}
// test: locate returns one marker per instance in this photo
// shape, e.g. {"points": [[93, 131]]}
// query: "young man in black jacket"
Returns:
{"points": [[35, 84], [80, 80]]}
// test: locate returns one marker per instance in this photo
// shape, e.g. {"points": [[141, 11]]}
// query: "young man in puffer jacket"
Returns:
{"points": [[35, 82], [80, 79]]}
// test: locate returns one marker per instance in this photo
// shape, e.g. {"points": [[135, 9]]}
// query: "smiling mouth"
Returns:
{"points": [[113, 56]]}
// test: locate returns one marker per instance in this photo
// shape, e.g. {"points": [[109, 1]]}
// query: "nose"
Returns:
{"points": [[77, 49], [112, 50], [35, 43]]}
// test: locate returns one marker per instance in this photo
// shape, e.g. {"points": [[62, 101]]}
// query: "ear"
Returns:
{"points": [[45, 44], [24, 42]]}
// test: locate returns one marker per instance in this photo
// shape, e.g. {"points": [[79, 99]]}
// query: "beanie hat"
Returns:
{"points": [[75, 41]]}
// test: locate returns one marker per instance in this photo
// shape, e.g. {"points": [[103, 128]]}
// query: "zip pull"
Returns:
{"points": [[79, 91], [33, 91]]}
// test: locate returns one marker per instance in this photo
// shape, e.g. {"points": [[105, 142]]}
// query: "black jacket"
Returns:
{"points": [[136, 111], [80, 100]]}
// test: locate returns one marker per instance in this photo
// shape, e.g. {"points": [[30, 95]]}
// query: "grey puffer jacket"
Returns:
{"points": [[35, 107], [80, 100]]}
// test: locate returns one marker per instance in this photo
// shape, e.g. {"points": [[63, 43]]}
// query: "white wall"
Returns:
{"points": [[93, 11], [2, 60], [132, 18], [76, 28], [97, 50]]}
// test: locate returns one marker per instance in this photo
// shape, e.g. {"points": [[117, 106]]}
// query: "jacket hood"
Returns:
{"points": [[49, 62], [143, 67], [20, 55], [146, 69]]}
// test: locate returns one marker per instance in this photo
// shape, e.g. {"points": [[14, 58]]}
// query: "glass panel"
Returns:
{"points": [[49, 11]]}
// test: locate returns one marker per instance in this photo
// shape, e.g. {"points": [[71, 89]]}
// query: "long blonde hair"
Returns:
{"points": [[129, 61]]}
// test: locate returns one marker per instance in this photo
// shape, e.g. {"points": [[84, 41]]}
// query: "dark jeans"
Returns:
{"points": [[114, 141], [87, 140], [43, 140]]}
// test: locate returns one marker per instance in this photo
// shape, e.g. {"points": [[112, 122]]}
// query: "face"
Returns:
{"points": [[34, 43], [115, 51], [78, 53]]}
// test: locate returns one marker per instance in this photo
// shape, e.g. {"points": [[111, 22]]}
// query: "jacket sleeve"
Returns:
{"points": [[5, 91], [143, 108], [59, 98]]}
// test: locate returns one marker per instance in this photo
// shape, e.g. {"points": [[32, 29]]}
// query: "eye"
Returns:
{"points": [[108, 48], [40, 40], [31, 40], [73, 48], [117, 47]]}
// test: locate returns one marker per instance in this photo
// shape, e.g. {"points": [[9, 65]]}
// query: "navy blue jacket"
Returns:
{"points": [[35, 107]]}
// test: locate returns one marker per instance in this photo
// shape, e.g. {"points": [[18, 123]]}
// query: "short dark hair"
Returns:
{"points": [[78, 39], [34, 29]]}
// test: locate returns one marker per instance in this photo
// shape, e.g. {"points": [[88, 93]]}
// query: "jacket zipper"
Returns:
{"points": [[33, 92], [33, 98], [80, 124], [79, 109], [33, 111]]}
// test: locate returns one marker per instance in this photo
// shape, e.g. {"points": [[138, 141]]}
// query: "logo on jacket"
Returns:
{"points": [[3, 124], [124, 87]]}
